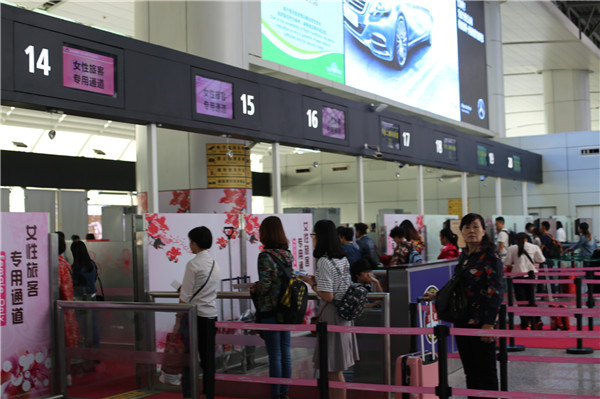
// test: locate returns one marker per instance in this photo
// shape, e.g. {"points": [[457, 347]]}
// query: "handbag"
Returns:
{"points": [[451, 301]]}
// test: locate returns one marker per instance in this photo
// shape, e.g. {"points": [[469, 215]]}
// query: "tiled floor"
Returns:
{"points": [[555, 378]]}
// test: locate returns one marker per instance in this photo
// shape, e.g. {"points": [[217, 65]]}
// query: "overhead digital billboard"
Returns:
{"points": [[427, 54]]}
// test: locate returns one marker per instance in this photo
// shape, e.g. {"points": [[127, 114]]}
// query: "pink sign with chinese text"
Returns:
{"points": [[214, 97], [88, 71], [26, 357]]}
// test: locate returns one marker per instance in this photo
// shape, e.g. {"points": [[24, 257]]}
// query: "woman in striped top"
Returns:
{"points": [[331, 280]]}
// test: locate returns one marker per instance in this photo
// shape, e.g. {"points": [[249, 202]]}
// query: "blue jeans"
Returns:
{"points": [[280, 360]]}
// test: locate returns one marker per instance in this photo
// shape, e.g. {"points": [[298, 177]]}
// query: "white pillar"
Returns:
{"points": [[147, 164], [276, 178], [498, 196], [420, 191], [463, 193], [495, 69], [525, 204], [361, 188], [567, 100]]}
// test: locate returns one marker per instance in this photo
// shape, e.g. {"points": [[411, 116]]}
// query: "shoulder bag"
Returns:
{"points": [[451, 301]]}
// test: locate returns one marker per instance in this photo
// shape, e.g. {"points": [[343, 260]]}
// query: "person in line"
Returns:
{"points": [[523, 258], [537, 237], [586, 244], [529, 230], [502, 237], [362, 273], [449, 242], [85, 274], [330, 282], [75, 237], [403, 247], [201, 281], [346, 235], [483, 282], [561, 234], [365, 243], [546, 243], [90, 236], [65, 289], [413, 235], [266, 292]]}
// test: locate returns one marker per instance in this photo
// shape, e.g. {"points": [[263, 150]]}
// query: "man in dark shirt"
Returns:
{"points": [[346, 235], [546, 239]]}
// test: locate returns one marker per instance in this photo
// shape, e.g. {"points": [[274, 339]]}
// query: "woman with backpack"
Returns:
{"points": [[267, 292], [523, 258], [330, 282], [85, 274]]}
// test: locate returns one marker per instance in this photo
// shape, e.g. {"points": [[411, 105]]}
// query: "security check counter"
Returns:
{"points": [[405, 284]]}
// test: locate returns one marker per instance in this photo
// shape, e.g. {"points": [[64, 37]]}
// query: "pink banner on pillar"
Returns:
{"points": [[26, 357]]}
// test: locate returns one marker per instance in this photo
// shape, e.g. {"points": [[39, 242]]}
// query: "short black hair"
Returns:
{"points": [[359, 266], [546, 224], [558, 224], [361, 228], [500, 219], [346, 233], [398, 232], [62, 245], [201, 236], [528, 226], [486, 242]]}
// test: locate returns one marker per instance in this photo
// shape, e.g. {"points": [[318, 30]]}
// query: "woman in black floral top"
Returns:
{"points": [[482, 278]]}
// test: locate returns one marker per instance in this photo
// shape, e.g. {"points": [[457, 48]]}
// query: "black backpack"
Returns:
{"points": [[293, 299]]}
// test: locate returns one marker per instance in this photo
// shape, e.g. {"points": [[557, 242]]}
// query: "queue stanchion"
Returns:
{"points": [[511, 318], [579, 349], [589, 275], [503, 353], [443, 390], [323, 381]]}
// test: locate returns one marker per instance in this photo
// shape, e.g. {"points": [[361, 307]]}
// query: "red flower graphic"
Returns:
{"points": [[157, 230], [173, 254], [222, 242], [235, 196], [252, 227], [181, 199], [419, 224]]}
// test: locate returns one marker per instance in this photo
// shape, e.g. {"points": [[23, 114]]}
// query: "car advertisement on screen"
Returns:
{"points": [[405, 51], [427, 54], [305, 35]]}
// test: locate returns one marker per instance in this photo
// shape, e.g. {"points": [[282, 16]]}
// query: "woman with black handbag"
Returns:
{"points": [[479, 271], [200, 284]]}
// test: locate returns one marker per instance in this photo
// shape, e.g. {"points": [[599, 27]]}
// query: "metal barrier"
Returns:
{"points": [[141, 356]]}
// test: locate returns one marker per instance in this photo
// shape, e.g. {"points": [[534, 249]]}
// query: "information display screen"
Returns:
{"points": [[439, 67], [449, 149], [214, 97], [517, 163], [88, 71], [482, 155], [334, 123], [390, 136]]}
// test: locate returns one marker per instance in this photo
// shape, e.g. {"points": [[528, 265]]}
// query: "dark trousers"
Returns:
{"points": [[479, 363], [526, 292], [206, 345]]}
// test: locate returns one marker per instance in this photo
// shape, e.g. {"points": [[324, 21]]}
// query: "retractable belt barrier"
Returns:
{"points": [[443, 390]]}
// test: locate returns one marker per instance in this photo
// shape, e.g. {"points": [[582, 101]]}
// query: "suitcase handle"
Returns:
{"points": [[422, 325]]}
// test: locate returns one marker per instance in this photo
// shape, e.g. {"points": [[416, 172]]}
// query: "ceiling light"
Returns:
{"points": [[10, 111], [62, 118], [99, 152], [19, 144], [315, 164], [378, 107], [52, 134], [482, 178], [107, 124]]}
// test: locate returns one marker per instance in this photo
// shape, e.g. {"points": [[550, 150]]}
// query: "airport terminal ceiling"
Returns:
{"points": [[534, 38], [307, 117]]}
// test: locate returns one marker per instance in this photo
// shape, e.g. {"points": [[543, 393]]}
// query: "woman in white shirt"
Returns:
{"points": [[561, 235], [200, 284], [523, 258]]}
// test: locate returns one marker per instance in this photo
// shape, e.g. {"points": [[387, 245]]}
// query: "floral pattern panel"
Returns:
{"points": [[25, 306]]}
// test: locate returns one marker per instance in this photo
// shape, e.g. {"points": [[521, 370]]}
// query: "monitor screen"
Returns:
{"points": [[390, 136], [88, 71], [449, 149], [214, 97], [334, 123], [482, 155]]}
